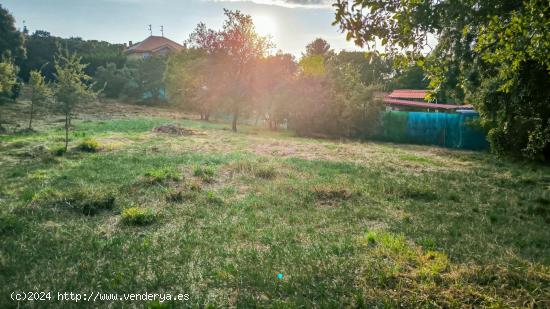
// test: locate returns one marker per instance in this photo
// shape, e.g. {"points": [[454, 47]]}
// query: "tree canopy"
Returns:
{"points": [[491, 53], [234, 51], [11, 40]]}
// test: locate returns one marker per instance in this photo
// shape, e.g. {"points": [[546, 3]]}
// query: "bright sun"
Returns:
{"points": [[265, 25]]}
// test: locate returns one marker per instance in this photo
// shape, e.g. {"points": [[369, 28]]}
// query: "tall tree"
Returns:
{"points": [[8, 78], [11, 50], [235, 50], [189, 82], [492, 53], [72, 87], [11, 40], [273, 77]]}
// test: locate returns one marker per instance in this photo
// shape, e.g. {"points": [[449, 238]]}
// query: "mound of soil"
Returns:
{"points": [[173, 130]]}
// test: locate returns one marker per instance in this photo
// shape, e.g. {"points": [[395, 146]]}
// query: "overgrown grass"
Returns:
{"points": [[222, 214], [138, 216]]}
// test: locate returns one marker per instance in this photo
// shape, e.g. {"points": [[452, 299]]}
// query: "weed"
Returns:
{"points": [[206, 173], [265, 172], [163, 174], [138, 216], [213, 199], [257, 169], [88, 145]]}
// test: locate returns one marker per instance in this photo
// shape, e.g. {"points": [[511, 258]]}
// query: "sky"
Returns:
{"points": [[291, 23]]}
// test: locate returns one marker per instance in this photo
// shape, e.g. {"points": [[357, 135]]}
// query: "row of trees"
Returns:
{"points": [[231, 71]]}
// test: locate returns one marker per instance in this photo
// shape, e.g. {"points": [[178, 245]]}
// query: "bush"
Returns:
{"points": [[137, 216], [88, 145]]}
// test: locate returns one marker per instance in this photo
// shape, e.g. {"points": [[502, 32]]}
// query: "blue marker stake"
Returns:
{"points": [[280, 276]]}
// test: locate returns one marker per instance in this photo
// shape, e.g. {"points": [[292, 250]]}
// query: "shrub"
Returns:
{"points": [[88, 145], [137, 216]]}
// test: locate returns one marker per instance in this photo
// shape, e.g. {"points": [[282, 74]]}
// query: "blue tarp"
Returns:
{"points": [[443, 129]]}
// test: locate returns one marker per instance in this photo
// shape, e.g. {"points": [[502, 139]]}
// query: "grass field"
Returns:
{"points": [[218, 215]]}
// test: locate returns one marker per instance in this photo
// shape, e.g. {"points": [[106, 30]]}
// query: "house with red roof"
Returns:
{"points": [[153, 45]]}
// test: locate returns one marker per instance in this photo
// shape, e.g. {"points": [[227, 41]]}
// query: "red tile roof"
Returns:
{"points": [[153, 44], [391, 101], [408, 94]]}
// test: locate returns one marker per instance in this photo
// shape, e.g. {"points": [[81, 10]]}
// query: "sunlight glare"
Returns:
{"points": [[265, 25]]}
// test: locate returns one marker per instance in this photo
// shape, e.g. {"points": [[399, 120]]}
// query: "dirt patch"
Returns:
{"points": [[173, 129]]}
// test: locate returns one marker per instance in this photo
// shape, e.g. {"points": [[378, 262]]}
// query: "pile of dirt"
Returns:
{"points": [[173, 129]]}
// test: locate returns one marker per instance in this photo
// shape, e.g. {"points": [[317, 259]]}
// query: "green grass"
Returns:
{"points": [[137, 216], [221, 214]]}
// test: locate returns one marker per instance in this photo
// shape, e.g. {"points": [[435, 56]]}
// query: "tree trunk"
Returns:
{"points": [[32, 112], [67, 120], [234, 123], [207, 116]]}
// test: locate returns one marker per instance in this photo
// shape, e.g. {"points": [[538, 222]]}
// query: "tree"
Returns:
{"points": [[11, 40], [147, 78], [41, 93], [191, 81], [273, 77], [319, 47], [492, 53], [11, 49], [331, 99], [72, 87], [41, 48], [8, 78], [112, 81], [234, 51]]}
